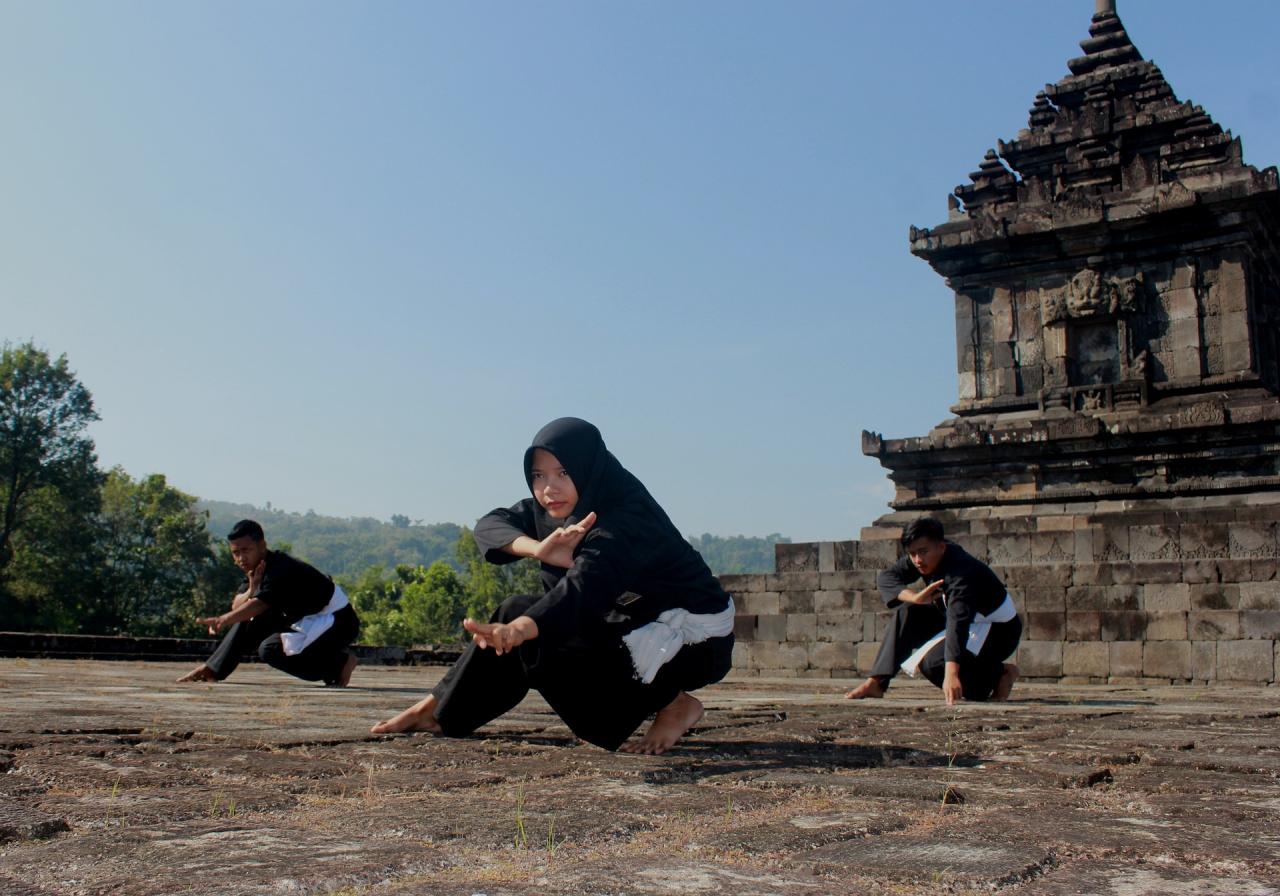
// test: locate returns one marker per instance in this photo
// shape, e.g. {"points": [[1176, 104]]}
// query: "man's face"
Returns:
{"points": [[926, 554], [248, 552], [551, 485]]}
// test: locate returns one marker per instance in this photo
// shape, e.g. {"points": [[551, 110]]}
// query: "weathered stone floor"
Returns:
{"points": [[119, 781]]}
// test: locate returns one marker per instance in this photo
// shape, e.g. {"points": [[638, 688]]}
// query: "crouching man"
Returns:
{"points": [[956, 628], [292, 614]]}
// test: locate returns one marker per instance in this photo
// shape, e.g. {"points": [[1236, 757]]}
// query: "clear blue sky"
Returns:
{"points": [[350, 256]]}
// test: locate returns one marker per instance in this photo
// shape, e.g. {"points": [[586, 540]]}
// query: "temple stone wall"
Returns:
{"points": [[1183, 595]]}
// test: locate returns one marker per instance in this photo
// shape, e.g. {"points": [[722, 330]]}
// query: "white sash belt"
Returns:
{"points": [[978, 631], [657, 643], [308, 628]]}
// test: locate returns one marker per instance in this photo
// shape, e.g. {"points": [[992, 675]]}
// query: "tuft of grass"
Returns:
{"points": [[522, 836]]}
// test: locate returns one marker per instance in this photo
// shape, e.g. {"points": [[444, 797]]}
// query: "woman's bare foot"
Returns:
{"points": [[419, 717], [669, 725], [869, 688], [344, 677], [199, 673], [1005, 684]]}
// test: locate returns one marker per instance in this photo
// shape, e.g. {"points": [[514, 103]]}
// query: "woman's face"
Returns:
{"points": [[551, 485]]}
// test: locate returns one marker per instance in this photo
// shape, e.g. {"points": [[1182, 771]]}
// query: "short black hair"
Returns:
{"points": [[925, 527], [246, 529]]}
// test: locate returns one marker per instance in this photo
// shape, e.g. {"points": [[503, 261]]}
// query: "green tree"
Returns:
{"points": [[154, 550], [487, 584], [433, 604], [49, 484]]}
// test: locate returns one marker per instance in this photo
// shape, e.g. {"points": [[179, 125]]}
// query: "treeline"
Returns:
{"points": [[93, 551]]}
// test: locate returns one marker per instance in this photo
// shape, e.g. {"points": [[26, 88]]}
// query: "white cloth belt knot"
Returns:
{"points": [[657, 643], [308, 628], [978, 631]]}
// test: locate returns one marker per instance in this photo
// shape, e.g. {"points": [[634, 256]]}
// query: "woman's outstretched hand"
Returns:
{"points": [[502, 636], [558, 547]]}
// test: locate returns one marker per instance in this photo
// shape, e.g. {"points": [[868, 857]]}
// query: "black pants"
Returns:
{"points": [[321, 661], [588, 681], [914, 624]]}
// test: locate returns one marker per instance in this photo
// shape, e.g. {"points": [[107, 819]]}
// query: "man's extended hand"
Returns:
{"points": [[215, 624], [502, 636], [951, 688], [558, 547], [924, 596]]}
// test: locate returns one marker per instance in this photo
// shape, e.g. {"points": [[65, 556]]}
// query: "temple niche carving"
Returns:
{"points": [[1116, 271]]}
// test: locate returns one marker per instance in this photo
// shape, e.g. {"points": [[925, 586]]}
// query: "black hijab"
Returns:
{"points": [[603, 485]]}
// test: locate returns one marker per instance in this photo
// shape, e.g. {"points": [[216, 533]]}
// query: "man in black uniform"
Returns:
{"points": [[957, 630], [292, 614]]}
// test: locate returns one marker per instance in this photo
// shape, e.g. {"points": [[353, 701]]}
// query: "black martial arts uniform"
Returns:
{"points": [[291, 589], [631, 566], [969, 587]]}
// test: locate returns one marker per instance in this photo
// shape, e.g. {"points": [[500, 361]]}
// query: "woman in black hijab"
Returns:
{"points": [[630, 622]]}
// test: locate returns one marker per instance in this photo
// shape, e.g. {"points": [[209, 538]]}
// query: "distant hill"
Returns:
{"points": [[343, 547], [346, 547]]}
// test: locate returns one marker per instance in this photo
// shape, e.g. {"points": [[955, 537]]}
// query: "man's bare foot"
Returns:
{"points": [[669, 725], [344, 677], [199, 673], [419, 717], [1005, 684], [869, 688]]}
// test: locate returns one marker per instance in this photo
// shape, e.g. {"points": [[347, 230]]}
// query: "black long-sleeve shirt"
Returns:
{"points": [[969, 587], [628, 565], [293, 588]]}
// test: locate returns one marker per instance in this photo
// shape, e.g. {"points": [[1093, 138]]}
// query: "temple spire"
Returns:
{"points": [[1105, 7]]}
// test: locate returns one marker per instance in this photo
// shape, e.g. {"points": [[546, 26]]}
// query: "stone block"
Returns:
{"points": [[1084, 547], [1213, 625], [1182, 304], [1009, 549], [771, 628], [1124, 659], [1124, 625], [795, 557], [1149, 573], [803, 627], [846, 602], [1260, 624], [1093, 573], [1204, 659], [1053, 547], [846, 555], [797, 602], [877, 555], [1252, 661], [1084, 626], [1264, 570], [1046, 626], [1215, 596], [866, 653], [832, 655], [976, 545], [1045, 599], [1099, 597], [1086, 659], [744, 628], [1200, 572], [792, 581], [1047, 575], [1111, 544], [1166, 627], [1202, 542], [1040, 659], [1235, 570], [742, 656], [839, 627], [1167, 659], [826, 556], [1153, 543], [1259, 595], [848, 580], [776, 656], [1158, 598], [742, 584], [1251, 541], [763, 603]]}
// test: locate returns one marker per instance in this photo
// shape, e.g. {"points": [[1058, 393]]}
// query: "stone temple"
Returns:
{"points": [[1115, 449]]}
